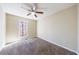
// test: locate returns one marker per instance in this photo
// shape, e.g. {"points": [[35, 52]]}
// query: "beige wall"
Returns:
{"points": [[60, 28], [78, 28], [2, 27], [12, 32], [32, 28]]}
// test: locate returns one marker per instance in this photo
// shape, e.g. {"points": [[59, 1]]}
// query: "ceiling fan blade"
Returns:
{"points": [[35, 15], [39, 12], [28, 14]]}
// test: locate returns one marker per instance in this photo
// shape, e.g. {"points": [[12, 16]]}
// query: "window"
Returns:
{"points": [[22, 28]]}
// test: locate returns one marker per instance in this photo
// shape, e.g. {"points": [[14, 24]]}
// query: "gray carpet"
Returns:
{"points": [[34, 46]]}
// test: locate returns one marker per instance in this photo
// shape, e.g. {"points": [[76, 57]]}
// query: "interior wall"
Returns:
{"points": [[60, 28], [78, 26], [2, 27], [32, 28], [12, 28]]}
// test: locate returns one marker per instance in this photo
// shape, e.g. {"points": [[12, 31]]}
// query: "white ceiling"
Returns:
{"points": [[48, 8]]}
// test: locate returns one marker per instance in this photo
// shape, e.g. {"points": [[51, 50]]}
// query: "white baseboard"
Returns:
{"points": [[61, 46]]}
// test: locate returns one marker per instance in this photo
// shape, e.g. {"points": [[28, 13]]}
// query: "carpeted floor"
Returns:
{"points": [[34, 46]]}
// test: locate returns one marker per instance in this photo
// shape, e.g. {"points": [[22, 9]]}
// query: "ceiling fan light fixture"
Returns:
{"points": [[33, 9]]}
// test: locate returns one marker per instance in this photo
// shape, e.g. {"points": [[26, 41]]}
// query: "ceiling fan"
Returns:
{"points": [[33, 9]]}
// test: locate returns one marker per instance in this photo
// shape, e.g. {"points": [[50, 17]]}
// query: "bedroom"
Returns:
{"points": [[57, 25]]}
